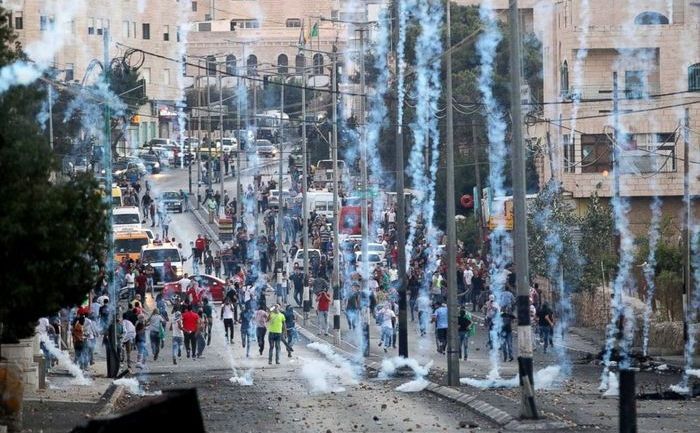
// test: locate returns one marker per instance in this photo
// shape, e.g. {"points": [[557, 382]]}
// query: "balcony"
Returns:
{"points": [[605, 92]]}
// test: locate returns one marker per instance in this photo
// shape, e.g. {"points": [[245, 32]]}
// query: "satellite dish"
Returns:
{"points": [[318, 81]]}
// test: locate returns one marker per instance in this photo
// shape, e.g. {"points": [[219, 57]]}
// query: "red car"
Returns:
{"points": [[210, 286]]}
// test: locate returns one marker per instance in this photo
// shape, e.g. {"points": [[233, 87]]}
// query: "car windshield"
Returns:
{"points": [[126, 218], [375, 247], [160, 255], [149, 158], [122, 246], [370, 258], [170, 195]]}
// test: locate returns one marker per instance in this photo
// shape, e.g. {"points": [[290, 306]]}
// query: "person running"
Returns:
{"points": [[440, 320], [465, 323], [246, 329], [323, 303], [156, 325], [141, 350], [386, 318], [260, 319], [178, 336], [190, 324], [290, 324], [545, 318], [78, 336], [208, 318], [275, 328], [202, 329], [227, 316]]}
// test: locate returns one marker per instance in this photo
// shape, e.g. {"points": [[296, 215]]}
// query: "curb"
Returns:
{"points": [[205, 225], [495, 415], [117, 391]]}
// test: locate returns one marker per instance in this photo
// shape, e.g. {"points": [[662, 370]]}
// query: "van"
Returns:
{"points": [[299, 259], [128, 244], [321, 202], [157, 254], [126, 218]]}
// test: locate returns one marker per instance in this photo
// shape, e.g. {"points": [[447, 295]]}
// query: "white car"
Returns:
{"points": [[373, 260], [157, 254], [126, 218], [299, 259], [377, 249]]}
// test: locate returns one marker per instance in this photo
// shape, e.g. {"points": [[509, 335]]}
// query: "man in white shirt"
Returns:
{"points": [[468, 275], [130, 282], [387, 317], [185, 283]]}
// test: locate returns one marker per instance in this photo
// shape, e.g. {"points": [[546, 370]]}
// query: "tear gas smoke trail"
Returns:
{"points": [[500, 239], [350, 369], [133, 386], [377, 116], [64, 360], [692, 311], [41, 53], [183, 30], [650, 268], [425, 131], [324, 377], [219, 334], [419, 383], [550, 377], [405, 7]]}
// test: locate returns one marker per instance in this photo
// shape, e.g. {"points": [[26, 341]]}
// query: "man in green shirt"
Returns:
{"points": [[275, 327]]}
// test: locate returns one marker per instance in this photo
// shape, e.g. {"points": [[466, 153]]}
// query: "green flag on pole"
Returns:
{"points": [[314, 30]]}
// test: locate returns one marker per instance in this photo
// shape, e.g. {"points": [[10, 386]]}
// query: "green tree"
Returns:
{"points": [[597, 230], [53, 233], [551, 223]]}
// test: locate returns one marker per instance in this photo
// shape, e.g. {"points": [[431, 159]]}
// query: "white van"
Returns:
{"points": [[157, 254], [299, 259], [321, 202], [126, 218]]}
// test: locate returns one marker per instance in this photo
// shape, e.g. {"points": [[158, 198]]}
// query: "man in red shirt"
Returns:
{"points": [[200, 244], [323, 304], [193, 295], [141, 281], [190, 322]]}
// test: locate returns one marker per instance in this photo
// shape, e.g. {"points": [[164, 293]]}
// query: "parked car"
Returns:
{"points": [[151, 161], [265, 149]]}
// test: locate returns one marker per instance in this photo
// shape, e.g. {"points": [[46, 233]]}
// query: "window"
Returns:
{"points": [[166, 32], [293, 22], [596, 153], [569, 153], [19, 21], [232, 25], [245, 24], [211, 65], [126, 27], [100, 26], [134, 28], [91, 26], [252, 65], [177, 33], [231, 64], [146, 75], [635, 84], [564, 79], [194, 6], [69, 72], [146, 30], [203, 27], [334, 14], [300, 63], [650, 18], [648, 153], [166, 77], [694, 78], [318, 64], [282, 64], [43, 23]]}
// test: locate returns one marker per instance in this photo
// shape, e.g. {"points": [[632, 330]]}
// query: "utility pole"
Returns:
{"points": [[336, 225], [221, 135], [240, 138], [452, 313], [687, 218], [364, 220], [210, 163], [305, 186], [528, 407], [112, 352], [400, 205], [280, 245], [198, 157], [477, 196], [50, 85], [189, 152]]}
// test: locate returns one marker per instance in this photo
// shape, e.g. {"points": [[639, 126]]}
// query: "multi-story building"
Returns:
{"points": [[652, 47], [647, 50], [151, 26], [263, 37]]}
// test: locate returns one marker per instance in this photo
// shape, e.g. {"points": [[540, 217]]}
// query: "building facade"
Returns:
{"points": [[151, 26]]}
